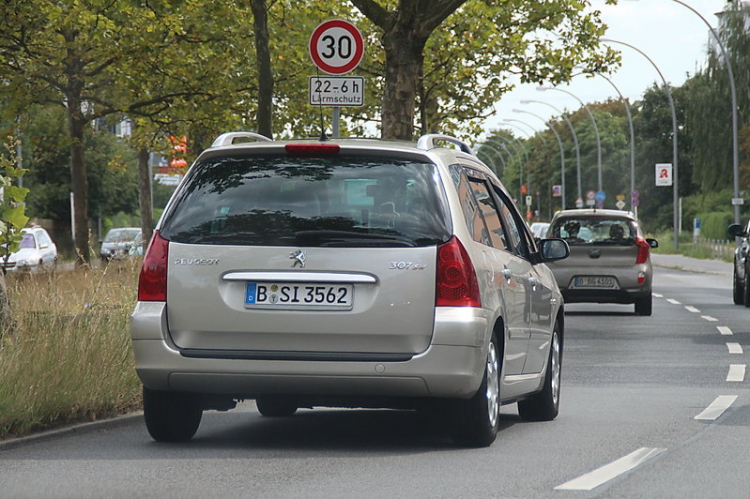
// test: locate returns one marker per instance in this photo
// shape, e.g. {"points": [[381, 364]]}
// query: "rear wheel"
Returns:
{"points": [[746, 291], [171, 416], [545, 405], [271, 406], [643, 305], [737, 290], [476, 419]]}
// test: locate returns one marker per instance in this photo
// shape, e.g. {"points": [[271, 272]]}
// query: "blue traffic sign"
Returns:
{"points": [[600, 196]]}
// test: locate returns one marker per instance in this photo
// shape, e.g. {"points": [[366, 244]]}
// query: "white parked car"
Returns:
{"points": [[36, 252]]}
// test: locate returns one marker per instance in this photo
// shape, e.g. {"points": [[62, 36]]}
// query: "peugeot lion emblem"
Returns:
{"points": [[299, 257]]}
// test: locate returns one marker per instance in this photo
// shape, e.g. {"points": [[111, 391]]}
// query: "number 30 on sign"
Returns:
{"points": [[336, 47]]}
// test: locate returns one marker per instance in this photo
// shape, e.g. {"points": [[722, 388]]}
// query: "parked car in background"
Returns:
{"points": [[36, 252], [740, 281], [346, 273], [610, 259], [117, 242], [539, 229]]}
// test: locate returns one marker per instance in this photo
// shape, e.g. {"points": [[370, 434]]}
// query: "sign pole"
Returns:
{"points": [[335, 124]]}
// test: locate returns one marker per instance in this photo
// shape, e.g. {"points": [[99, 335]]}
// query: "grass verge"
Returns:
{"points": [[67, 356]]}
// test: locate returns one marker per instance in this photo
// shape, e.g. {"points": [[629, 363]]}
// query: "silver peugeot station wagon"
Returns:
{"points": [[346, 273]]}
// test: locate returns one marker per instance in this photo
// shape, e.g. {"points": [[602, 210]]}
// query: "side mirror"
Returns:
{"points": [[736, 230], [653, 243], [553, 249]]}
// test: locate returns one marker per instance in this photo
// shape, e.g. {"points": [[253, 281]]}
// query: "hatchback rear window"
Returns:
{"points": [[345, 201], [594, 230]]}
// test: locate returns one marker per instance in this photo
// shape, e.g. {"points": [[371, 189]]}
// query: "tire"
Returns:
{"points": [[475, 421], [545, 405], [746, 291], [644, 305], [738, 291], [275, 407], [171, 416]]}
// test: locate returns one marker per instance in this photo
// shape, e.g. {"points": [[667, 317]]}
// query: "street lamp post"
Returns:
{"points": [[518, 155], [559, 141], [737, 200], [675, 192], [596, 132], [575, 140], [510, 122], [632, 142], [492, 159]]}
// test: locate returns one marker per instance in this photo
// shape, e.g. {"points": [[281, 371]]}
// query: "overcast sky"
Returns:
{"points": [[672, 36]]}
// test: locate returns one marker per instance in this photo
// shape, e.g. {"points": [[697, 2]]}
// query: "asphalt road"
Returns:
{"points": [[635, 422]]}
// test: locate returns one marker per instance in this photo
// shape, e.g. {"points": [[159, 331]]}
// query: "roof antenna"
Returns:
{"points": [[323, 136]]}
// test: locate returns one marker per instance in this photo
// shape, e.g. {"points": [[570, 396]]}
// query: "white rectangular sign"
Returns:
{"points": [[337, 91], [663, 174]]}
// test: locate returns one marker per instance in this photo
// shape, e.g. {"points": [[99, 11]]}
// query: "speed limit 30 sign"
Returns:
{"points": [[336, 47]]}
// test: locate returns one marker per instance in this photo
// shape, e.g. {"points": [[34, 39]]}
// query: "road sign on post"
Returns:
{"points": [[663, 174], [336, 46]]}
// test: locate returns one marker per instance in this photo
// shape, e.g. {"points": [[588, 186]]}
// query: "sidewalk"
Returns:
{"points": [[696, 265]]}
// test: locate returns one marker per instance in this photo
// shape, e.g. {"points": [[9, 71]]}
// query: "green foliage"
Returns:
{"points": [[714, 224], [12, 210]]}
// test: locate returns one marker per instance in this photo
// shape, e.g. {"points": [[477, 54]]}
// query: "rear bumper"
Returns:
{"points": [[452, 366], [604, 295]]}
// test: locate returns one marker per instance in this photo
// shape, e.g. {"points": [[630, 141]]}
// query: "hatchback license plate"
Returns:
{"points": [[287, 295], [594, 282]]}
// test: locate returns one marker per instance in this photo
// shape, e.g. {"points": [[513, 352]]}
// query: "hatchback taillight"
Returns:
{"points": [[643, 250], [456, 280], [152, 282]]}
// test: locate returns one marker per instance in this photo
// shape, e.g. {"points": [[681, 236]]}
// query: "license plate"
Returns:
{"points": [[309, 295], [595, 282]]}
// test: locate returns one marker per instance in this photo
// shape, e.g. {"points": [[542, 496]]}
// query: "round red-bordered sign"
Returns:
{"points": [[336, 47]]}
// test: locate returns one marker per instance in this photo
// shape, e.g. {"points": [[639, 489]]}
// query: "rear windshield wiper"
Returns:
{"points": [[347, 238]]}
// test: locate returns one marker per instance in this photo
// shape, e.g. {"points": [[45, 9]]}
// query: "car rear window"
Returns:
{"points": [[594, 230], [345, 201]]}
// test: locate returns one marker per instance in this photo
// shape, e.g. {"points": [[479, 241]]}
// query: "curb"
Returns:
{"points": [[82, 428]]}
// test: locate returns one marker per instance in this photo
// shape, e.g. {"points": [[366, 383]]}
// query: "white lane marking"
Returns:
{"points": [[692, 309], [736, 373], [717, 408], [657, 295], [673, 301], [611, 471], [725, 331], [734, 348], [709, 318]]}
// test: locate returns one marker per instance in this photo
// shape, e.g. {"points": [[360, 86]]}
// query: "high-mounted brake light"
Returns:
{"points": [[456, 280], [152, 282], [643, 250], [312, 148]]}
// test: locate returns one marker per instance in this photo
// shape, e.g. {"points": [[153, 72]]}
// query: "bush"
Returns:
{"points": [[714, 225], [68, 350]]}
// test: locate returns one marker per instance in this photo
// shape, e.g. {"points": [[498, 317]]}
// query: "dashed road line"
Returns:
{"points": [[717, 408], [610, 471], [725, 331], [692, 309], [709, 318], [673, 301], [657, 295], [734, 348], [736, 373]]}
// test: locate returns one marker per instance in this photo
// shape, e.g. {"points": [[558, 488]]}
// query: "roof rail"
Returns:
{"points": [[227, 139], [427, 142]]}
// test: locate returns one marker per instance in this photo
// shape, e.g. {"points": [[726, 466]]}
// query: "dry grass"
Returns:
{"points": [[67, 357]]}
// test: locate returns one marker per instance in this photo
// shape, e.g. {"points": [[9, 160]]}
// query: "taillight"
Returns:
{"points": [[152, 282], [456, 280], [643, 249], [315, 149]]}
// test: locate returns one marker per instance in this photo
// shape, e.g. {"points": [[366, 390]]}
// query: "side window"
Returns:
{"points": [[494, 227], [518, 238], [472, 214]]}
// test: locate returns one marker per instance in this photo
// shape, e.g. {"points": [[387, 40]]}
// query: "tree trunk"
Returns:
{"points": [[404, 58], [265, 73], [79, 179], [144, 195]]}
